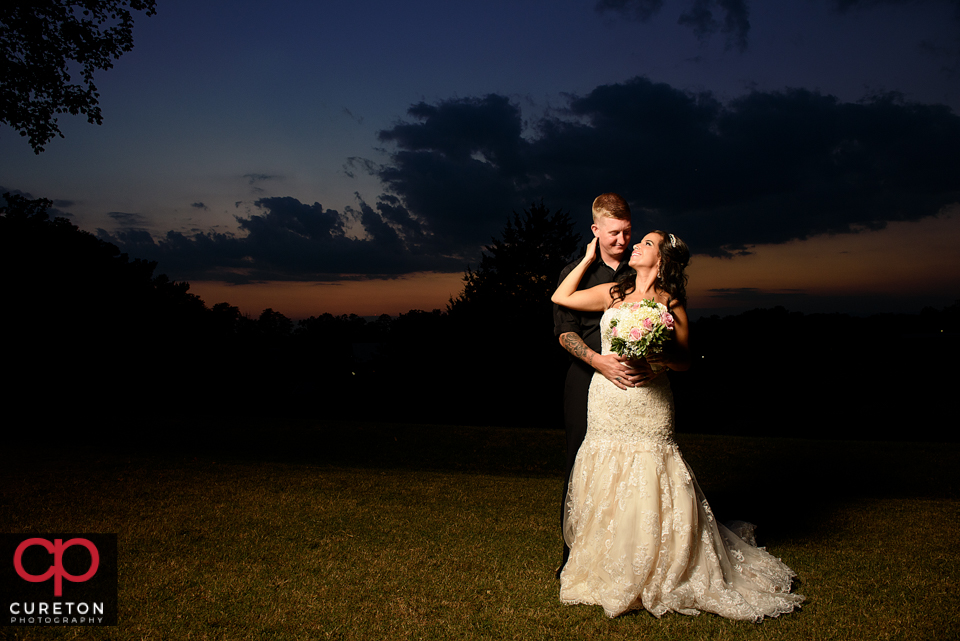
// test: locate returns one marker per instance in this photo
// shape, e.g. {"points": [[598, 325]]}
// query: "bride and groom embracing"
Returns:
{"points": [[637, 530]]}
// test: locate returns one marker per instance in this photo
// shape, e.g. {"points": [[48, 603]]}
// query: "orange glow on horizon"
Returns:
{"points": [[905, 258], [295, 299]]}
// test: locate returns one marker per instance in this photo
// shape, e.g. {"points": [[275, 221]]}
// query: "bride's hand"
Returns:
{"points": [[592, 299], [591, 254], [665, 360], [642, 371]]}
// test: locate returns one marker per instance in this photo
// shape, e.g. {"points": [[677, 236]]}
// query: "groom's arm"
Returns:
{"points": [[566, 326], [610, 366]]}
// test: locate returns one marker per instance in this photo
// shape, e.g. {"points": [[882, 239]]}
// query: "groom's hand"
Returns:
{"points": [[617, 370]]}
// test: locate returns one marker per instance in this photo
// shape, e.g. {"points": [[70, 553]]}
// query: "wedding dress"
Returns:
{"points": [[641, 533]]}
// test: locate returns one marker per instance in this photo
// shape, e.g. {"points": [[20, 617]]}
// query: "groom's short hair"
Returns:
{"points": [[610, 206]]}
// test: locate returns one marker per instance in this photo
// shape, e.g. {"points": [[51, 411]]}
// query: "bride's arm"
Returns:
{"points": [[595, 299], [676, 356]]}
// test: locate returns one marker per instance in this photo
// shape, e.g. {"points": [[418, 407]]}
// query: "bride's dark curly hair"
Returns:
{"points": [[672, 278]]}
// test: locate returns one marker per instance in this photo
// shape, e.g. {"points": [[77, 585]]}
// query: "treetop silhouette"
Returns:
{"points": [[518, 272]]}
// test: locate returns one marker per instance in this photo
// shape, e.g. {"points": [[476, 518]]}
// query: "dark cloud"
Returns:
{"points": [[290, 240], [641, 10], [730, 17], [766, 168], [459, 129], [253, 179], [125, 219], [363, 165], [358, 119], [724, 302], [845, 5], [795, 164], [704, 17], [394, 212], [459, 168], [199, 206]]}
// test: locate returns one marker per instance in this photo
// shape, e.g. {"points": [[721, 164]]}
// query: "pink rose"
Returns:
{"points": [[667, 319], [614, 332], [635, 334], [647, 324]]}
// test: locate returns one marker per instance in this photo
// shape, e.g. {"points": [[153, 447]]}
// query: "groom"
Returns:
{"points": [[579, 332]]}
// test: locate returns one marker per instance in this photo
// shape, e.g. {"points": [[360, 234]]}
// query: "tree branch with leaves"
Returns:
{"points": [[43, 41]]}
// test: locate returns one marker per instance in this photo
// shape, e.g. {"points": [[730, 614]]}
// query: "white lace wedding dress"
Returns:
{"points": [[640, 531]]}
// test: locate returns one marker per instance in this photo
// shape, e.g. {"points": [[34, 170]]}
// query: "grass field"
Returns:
{"points": [[321, 530]]}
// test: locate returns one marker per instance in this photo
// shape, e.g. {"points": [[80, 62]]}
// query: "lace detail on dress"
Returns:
{"points": [[641, 533]]}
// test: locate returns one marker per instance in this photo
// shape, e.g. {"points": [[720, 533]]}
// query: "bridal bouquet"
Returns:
{"points": [[640, 329]]}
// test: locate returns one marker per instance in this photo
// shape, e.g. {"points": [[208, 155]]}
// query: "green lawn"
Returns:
{"points": [[300, 530]]}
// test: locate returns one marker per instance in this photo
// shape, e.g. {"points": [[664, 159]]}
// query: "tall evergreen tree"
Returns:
{"points": [[518, 272], [502, 326]]}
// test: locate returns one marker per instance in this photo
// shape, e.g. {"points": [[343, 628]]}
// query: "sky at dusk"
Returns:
{"points": [[355, 157]]}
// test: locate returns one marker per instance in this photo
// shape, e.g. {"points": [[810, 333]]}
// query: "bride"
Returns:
{"points": [[641, 533]]}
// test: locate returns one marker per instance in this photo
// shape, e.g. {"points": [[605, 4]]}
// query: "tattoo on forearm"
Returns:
{"points": [[575, 345]]}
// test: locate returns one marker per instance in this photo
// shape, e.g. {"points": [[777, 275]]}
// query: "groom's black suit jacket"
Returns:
{"points": [[577, 385]]}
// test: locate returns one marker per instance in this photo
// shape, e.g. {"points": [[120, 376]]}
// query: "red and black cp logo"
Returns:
{"points": [[58, 579]]}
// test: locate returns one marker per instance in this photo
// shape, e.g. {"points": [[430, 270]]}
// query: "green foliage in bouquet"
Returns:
{"points": [[642, 328]]}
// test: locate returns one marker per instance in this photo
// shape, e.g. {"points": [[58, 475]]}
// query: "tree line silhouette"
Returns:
{"points": [[93, 333]]}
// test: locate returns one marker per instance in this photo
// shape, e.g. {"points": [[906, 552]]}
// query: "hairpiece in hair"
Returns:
{"points": [[673, 240]]}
